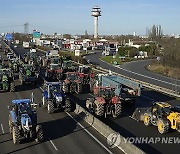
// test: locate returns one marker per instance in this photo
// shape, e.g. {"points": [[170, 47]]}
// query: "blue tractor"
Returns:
{"points": [[23, 121], [54, 98]]}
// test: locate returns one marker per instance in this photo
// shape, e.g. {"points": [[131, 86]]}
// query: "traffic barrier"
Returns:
{"points": [[105, 130]]}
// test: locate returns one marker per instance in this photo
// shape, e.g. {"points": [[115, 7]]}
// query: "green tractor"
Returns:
{"points": [[27, 74], [6, 80], [13, 65]]}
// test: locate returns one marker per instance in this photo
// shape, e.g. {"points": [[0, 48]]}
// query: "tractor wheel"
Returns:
{"points": [[44, 102], [16, 135], [50, 107], [67, 105], [91, 87], [147, 119], [117, 110], [10, 126], [12, 87], [163, 126], [79, 88], [99, 110], [39, 134], [65, 87], [21, 79]]}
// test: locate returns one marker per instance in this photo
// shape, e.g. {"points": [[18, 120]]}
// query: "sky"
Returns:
{"points": [[74, 16]]}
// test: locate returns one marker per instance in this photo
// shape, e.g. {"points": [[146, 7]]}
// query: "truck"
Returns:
{"points": [[127, 90], [25, 44]]}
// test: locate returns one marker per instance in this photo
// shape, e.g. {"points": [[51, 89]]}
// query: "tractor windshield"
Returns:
{"points": [[67, 64], [55, 61], [56, 88], [24, 108], [72, 76], [86, 70], [54, 67], [107, 93]]}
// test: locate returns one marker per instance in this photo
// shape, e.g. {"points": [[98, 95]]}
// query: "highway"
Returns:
{"points": [[128, 127], [64, 133], [137, 71]]}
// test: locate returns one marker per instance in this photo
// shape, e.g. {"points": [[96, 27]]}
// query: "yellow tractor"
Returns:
{"points": [[160, 114]]}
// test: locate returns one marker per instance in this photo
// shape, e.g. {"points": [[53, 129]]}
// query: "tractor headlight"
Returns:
{"points": [[59, 99]]}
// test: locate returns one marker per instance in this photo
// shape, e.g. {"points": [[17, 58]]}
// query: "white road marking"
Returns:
{"points": [[53, 145], [102, 145], [2, 128], [149, 77]]}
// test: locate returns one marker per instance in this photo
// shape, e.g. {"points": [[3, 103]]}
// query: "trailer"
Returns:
{"points": [[126, 89]]}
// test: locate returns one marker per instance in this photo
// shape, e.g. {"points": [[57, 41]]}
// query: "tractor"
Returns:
{"points": [[53, 72], [104, 102], [72, 83], [23, 121], [54, 98], [85, 72], [6, 80], [67, 66], [160, 114], [27, 74], [13, 64]]}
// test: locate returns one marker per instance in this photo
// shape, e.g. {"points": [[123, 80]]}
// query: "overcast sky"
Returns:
{"points": [[74, 16]]}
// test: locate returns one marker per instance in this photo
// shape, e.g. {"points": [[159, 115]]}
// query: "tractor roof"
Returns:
{"points": [[163, 104], [19, 101], [52, 83]]}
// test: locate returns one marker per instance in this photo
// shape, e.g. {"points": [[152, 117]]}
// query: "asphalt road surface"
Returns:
{"points": [[129, 127], [138, 71], [64, 133]]}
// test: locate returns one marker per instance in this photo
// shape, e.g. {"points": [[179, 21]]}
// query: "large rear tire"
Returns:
{"points": [[39, 133], [117, 110], [10, 126], [163, 126], [16, 135], [67, 105], [79, 88], [12, 87], [65, 87], [50, 107], [99, 109]]}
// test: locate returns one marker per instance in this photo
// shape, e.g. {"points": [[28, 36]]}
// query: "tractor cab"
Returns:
{"points": [[105, 92], [54, 67], [84, 69], [72, 76], [22, 106], [56, 60]]}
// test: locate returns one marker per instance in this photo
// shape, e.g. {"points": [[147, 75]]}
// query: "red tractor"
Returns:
{"points": [[72, 83], [85, 72], [105, 102], [53, 72]]}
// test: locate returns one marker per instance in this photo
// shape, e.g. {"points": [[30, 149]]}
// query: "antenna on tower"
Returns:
{"points": [[26, 28]]}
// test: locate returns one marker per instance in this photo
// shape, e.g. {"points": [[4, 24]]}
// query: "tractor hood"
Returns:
{"points": [[26, 121], [58, 96]]}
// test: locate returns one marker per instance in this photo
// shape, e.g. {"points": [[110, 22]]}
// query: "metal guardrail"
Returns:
{"points": [[144, 84]]}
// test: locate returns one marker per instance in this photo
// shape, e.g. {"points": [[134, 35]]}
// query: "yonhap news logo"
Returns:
{"points": [[115, 139]]}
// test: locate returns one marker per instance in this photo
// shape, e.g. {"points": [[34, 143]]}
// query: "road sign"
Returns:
{"points": [[8, 36]]}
